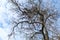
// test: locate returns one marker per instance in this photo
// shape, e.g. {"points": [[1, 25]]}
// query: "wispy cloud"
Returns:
{"points": [[3, 34], [4, 20]]}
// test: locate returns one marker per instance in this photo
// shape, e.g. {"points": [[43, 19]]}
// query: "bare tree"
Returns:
{"points": [[35, 14]]}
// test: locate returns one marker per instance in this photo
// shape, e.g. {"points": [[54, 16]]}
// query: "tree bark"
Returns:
{"points": [[45, 35]]}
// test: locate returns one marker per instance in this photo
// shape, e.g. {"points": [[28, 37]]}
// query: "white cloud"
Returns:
{"points": [[3, 34], [4, 19]]}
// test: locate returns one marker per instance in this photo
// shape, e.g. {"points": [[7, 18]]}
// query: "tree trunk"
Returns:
{"points": [[45, 35]]}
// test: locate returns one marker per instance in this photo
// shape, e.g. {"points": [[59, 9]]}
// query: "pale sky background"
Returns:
{"points": [[6, 15]]}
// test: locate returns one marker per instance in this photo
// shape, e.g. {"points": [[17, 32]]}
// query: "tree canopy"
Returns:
{"points": [[34, 19]]}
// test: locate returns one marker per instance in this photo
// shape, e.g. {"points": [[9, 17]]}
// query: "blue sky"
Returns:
{"points": [[6, 14]]}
